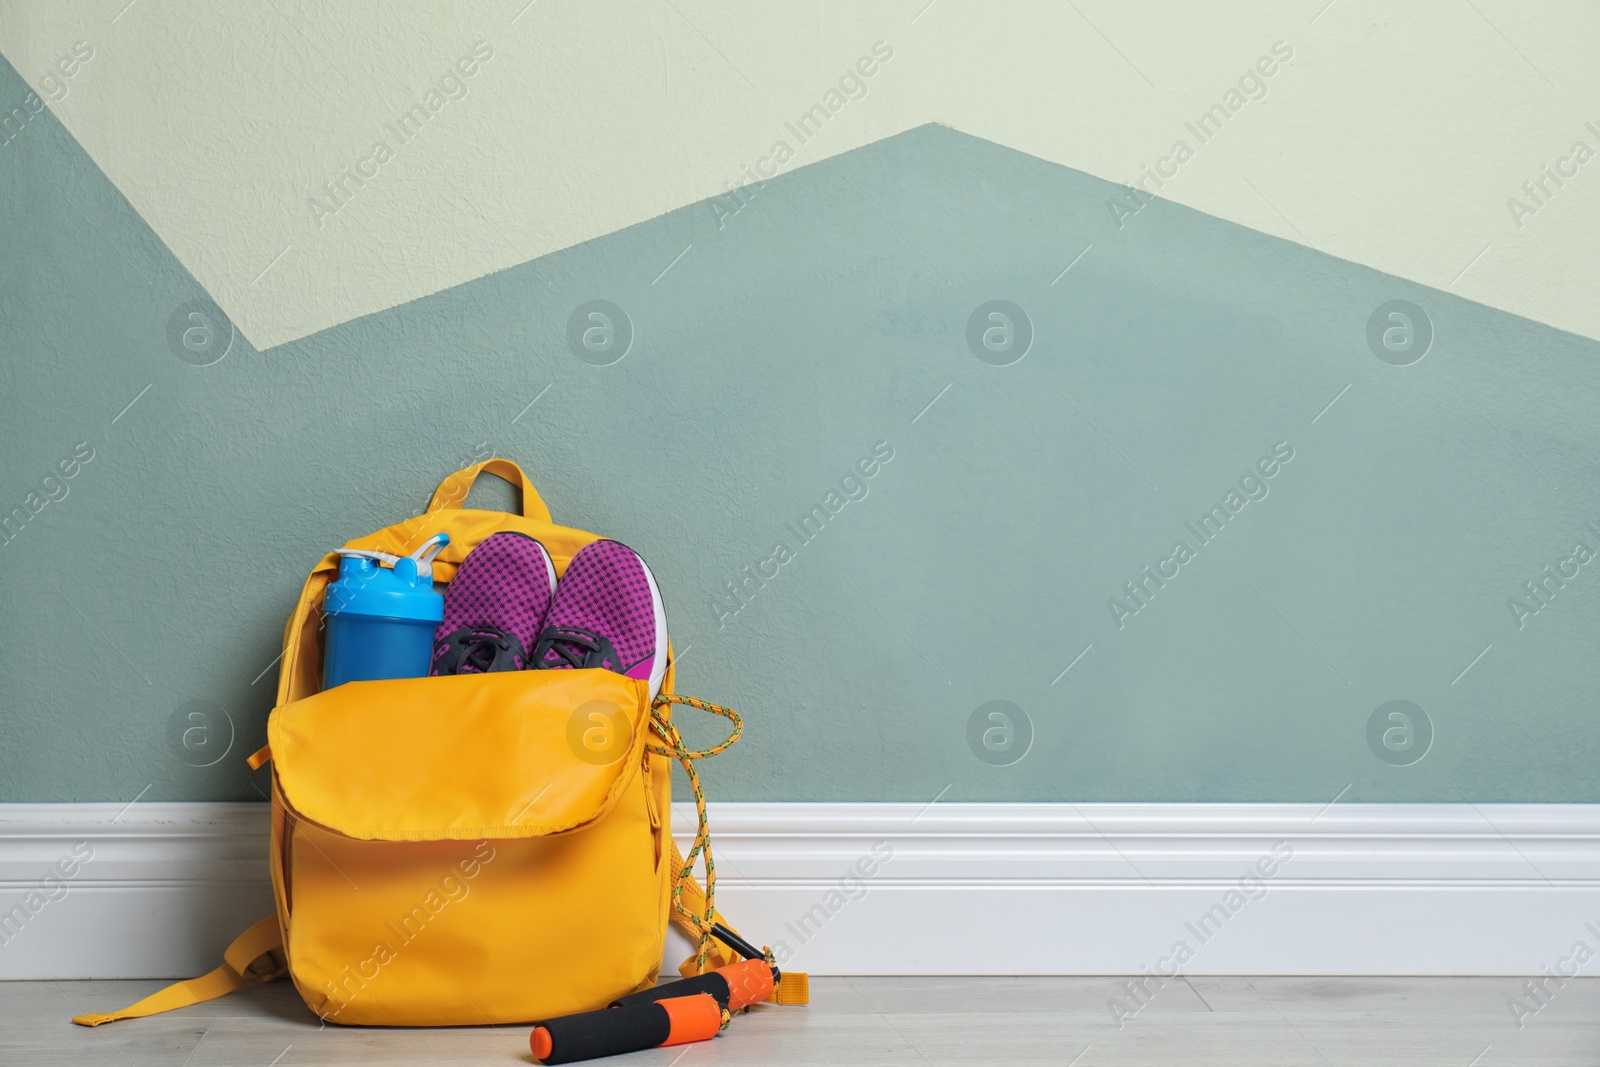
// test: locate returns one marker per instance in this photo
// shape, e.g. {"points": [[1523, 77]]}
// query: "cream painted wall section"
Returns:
{"points": [[1394, 136]]}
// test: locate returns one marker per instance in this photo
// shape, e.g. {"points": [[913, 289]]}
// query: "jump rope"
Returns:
{"points": [[690, 1009]]}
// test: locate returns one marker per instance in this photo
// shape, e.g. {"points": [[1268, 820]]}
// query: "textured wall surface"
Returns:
{"points": [[1385, 490], [1393, 135]]}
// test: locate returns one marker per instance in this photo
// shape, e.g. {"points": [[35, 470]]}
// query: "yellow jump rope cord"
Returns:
{"points": [[661, 722]]}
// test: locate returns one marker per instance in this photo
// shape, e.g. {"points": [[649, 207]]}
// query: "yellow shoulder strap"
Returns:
{"points": [[795, 987], [255, 954]]}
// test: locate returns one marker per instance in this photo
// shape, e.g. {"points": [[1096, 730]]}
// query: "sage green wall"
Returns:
{"points": [[772, 350]]}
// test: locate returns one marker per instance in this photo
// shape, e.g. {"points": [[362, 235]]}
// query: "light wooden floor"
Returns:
{"points": [[1013, 1022]]}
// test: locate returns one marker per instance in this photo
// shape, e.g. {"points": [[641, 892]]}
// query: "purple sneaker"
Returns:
{"points": [[495, 607], [607, 613]]}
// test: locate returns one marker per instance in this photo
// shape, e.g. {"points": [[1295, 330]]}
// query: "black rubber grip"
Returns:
{"points": [[607, 1032], [712, 983]]}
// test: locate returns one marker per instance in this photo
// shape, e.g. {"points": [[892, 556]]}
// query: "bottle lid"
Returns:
{"points": [[404, 591]]}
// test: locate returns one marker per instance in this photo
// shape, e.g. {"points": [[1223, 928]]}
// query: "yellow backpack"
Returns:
{"points": [[456, 851]]}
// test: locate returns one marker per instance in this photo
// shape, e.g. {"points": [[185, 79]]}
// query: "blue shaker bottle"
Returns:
{"points": [[381, 619]]}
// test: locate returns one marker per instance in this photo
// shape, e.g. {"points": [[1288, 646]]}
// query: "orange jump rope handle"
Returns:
{"points": [[627, 1028], [749, 983], [696, 1018], [735, 986]]}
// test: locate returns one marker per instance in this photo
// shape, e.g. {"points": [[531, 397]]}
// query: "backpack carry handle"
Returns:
{"points": [[452, 492]]}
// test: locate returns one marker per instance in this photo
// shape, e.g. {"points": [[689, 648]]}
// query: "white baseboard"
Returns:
{"points": [[949, 888], [165, 890], [1112, 888]]}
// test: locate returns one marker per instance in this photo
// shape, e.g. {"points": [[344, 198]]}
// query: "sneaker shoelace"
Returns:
{"points": [[481, 651], [577, 648]]}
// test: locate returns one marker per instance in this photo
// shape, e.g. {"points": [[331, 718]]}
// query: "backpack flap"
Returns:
{"points": [[507, 755], [472, 848]]}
